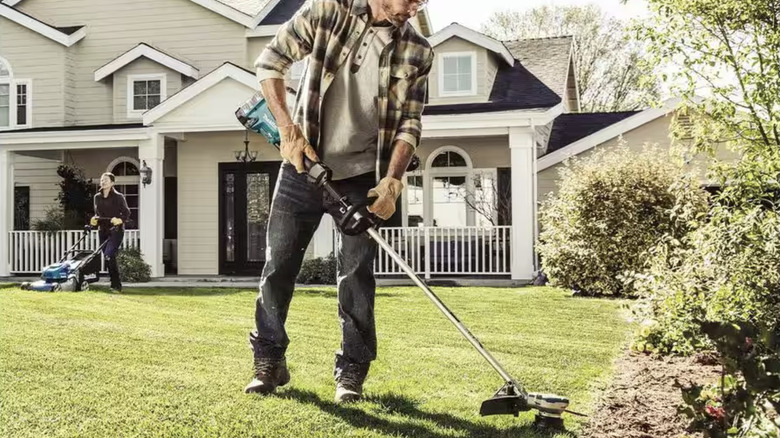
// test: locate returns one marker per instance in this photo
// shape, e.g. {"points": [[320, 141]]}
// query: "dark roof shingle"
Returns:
{"points": [[515, 88], [569, 128], [546, 58], [282, 12], [536, 80]]}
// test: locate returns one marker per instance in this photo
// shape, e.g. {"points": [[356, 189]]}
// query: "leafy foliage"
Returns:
{"points": [[606, 57], [720, 285], [748, 394], [611, 208], [75, 197], [318, 271], [132, 267]]}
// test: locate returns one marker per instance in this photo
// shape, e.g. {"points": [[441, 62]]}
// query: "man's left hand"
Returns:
{"points": [[387, 192], [116, 221]]}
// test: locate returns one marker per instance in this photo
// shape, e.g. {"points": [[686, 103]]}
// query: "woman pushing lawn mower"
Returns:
{"points": [[110, 204]]}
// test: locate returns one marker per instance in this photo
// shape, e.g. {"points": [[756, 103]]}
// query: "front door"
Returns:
{"points": [[245, 192]]}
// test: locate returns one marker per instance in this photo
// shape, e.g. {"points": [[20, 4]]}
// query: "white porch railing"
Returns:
{"points": [[31, 251], [446, 251]]}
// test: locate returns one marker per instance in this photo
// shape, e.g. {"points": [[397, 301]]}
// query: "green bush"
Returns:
{"points": [[318, 271], [132, 267], [611, 208], [52, 221]]}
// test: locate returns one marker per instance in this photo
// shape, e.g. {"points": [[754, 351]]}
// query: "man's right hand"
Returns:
{"points": [[294, 146], [93, 221]]}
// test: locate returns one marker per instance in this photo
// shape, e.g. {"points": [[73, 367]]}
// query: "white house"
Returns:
{"points": [[120, 85]]}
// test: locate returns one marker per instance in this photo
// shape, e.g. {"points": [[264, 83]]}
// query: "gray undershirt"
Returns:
{"points": [[350, 126]]}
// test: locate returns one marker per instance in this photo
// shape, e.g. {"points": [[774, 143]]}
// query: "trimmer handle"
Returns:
{"points": [[354, 218]]}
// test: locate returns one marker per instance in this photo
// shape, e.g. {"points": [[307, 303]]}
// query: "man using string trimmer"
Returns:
{"points": [[358, 107], [360, 117]]}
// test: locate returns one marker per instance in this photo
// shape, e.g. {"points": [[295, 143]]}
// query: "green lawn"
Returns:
{"points": [[173, 363]]}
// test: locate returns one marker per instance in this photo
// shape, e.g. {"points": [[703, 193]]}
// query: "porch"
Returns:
{"points": [[432, 252]]}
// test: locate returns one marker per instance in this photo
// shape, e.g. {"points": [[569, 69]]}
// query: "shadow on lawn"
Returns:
{"points": [[180, 291], [399, 405], [333, 292]]}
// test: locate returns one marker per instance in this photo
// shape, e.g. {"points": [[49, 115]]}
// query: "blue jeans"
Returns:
{"points": [[296, 209]]}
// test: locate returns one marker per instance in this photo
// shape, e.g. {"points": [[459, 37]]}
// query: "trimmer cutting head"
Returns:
{"points": [[511, 400]]}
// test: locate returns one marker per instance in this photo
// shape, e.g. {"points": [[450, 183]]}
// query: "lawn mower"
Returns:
{"points": [[75, 271], [355, 219]]}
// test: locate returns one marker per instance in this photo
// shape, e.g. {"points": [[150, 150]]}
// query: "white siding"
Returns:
{"points": [[33, 56], [653, 133], [40, 175], [198, 193], [140, 66], [177, 27], [485, 152], [456, 44]]}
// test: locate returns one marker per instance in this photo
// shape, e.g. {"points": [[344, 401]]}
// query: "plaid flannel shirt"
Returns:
{"points": [[327, 31]]}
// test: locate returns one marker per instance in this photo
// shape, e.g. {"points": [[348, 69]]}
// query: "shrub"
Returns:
{"points": [[318, 271], [132, 267], [611, 208], [75, 197], [52, 221], [747, 397], [719, 288]]}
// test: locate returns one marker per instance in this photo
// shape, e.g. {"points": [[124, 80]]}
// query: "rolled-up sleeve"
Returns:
{"points": [[292, 42], [410, 126]]}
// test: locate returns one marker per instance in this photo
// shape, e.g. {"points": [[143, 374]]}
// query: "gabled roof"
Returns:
{"points": [[248, 13], [150, 52], [569, 128], [537, 80], [67, 36], [474, 37], [591, 130], [282, 12], [548, 59], [515, 88], [249, 7], [228, 69]]}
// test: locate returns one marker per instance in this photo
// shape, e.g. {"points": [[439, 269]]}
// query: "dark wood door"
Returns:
{"points": [[245, 192]]}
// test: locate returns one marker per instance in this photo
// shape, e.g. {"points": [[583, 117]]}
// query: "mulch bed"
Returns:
{"points": [[642, 400]]}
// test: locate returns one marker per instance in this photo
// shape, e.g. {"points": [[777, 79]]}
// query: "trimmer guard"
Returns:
{"points": [[509, 400]]}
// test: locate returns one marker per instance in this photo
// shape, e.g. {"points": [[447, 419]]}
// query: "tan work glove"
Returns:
{"points": [[93, 221], [294, 146], [387, 192], [116, 221]]}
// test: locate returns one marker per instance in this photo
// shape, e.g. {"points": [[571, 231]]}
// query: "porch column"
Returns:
{"points": [[7, 207], [151, 203], [521, 145]]}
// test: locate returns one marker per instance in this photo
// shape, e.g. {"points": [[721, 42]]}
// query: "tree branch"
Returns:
{"points": [[731, 59]]}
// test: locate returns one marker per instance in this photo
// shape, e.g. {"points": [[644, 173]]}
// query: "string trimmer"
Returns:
{"points": [[355, 219]]}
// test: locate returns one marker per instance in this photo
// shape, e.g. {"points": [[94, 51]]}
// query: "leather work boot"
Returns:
{"points": [[349, 382], [269, 373], [348, 390]]}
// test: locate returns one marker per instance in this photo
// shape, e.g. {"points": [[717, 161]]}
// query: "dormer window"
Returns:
{"points": [[458, 74], [144, 92]]}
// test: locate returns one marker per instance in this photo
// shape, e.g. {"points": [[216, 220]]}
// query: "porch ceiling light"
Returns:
{"points": [[146, 174], [246, 155]]}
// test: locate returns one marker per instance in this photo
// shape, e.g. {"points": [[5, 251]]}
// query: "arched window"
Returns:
{"points": [[125, 169], [449, 175], [14, 98], [6, 79], [450, 192]]}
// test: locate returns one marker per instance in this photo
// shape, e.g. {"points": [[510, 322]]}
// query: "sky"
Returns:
{"points": [[473, 13]]}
